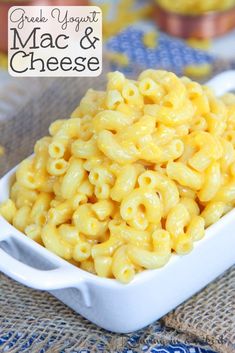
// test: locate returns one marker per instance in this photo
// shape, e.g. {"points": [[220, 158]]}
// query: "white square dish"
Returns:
{"points": [[106, 302]]}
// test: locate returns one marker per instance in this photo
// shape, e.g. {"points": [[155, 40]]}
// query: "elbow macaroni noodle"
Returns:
{"points": [[136, 174]]}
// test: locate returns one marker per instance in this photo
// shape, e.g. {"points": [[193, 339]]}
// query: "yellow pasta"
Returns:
{"points": [[8, 210], [103, 266], [34, 231], [120, 59], [138, 172], [202, 44], [196, 6], [2, 150], [150, 39], [3, 61], [198, 70]]}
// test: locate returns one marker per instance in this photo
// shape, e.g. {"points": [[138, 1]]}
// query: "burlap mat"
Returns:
{"points": [[32, 320], [210, 314]]}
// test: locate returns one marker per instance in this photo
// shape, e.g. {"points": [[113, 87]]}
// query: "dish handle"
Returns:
{"points": [[65, 276]]}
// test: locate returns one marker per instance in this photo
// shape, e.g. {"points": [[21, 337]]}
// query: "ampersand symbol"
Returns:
{"points": [[87, 38]]}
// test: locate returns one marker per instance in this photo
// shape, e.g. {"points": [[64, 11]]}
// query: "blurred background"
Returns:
{"points": [[194, 37], [189, 37]]}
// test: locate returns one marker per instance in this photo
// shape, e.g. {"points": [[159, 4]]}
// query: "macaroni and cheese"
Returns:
{"points": [[137, 173]]}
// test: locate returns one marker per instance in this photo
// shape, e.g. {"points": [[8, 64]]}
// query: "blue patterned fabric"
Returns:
{"points": [[174, 348], [179, 349], [170, 53], [163, 349], [133, 345]]}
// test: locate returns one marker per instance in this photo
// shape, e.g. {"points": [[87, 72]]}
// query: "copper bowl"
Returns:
{"points": [[5, 6], [208, 25]]}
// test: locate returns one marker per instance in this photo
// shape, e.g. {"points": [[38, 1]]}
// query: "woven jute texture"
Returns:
{"points": [[210, 314], [35, 320]]}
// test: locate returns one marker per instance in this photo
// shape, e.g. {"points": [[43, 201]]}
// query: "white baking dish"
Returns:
{"points": [[106, 302]]}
